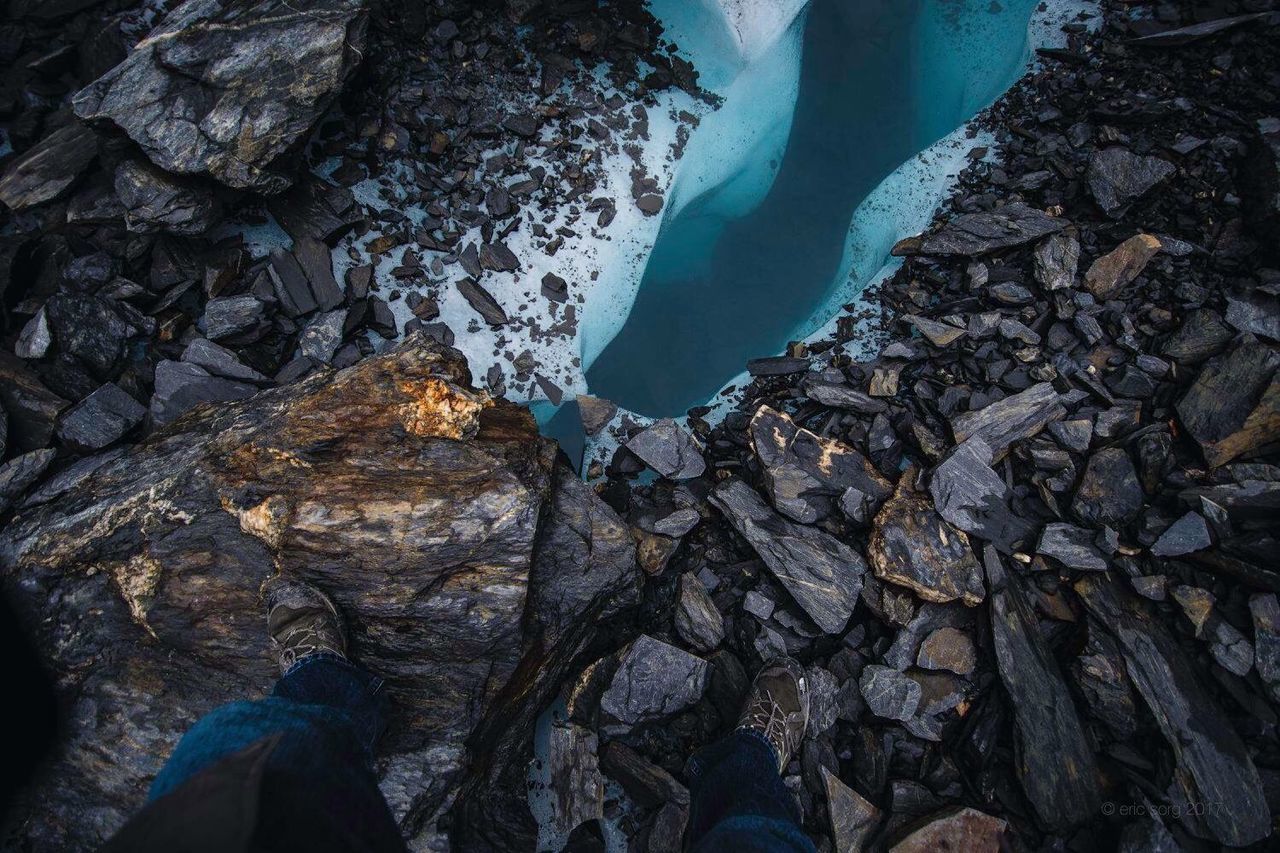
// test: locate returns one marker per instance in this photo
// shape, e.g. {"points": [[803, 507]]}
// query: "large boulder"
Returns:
{"points": [[473, 567], [226, 88]]}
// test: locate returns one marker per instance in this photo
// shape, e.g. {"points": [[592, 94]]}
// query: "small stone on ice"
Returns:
{"points": [[649, 203]]}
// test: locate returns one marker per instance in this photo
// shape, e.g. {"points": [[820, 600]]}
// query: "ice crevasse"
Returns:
{"points": [[933, 65]]}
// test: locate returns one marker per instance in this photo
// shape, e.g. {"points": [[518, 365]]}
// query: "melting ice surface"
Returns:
{"points": [[821, 105]]}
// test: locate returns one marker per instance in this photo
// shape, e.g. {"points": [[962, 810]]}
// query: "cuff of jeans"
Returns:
{"points": [[316, 657], [755, 735]]}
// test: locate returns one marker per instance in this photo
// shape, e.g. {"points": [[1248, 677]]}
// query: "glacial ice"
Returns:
{"points": [[967, 56], [752, 61], [732, 145], [956, 57]]}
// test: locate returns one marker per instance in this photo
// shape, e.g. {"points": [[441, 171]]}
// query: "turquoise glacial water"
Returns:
{"points": [[880, 80]]}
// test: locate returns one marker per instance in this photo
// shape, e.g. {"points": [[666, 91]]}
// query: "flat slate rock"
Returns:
{"points": [[35, 338], [20, 472], [888, 693], [482, 302], [1185, 536], [779, 365], [316, 261], [947, 648], [322, 336], [939, 334], [1213, 765], [969, 494], [1055, 760], [841, 396], [1233, 407], [806, 474], [1072, 546], [645, 782], [228, 316], [821, 573], [1254, 313], [1117, 176], [1016, 417], [155, 200], [595, 412], [496, 256], [1201, 335], [316, 209], [956, 829], [226, 90], [47, 169], [1109, 493], [219, 361], [100, 419], [1195, 32], [697, 620], [654, 680], [971, 234], [1228, 646], [667, 448], [289, 281], [1109, 274], [852, 818], [90, 327], [913, 546], [1265, 611], [32, 408], [1056, 260], [180, 386], [576, 784]]}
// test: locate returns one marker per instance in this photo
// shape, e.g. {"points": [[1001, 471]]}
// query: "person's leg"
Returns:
{"points": [[325, 712], [739, 803]]}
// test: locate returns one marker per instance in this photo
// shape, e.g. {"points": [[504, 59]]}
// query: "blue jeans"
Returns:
{"points": [[327, 714], [739, 803]]}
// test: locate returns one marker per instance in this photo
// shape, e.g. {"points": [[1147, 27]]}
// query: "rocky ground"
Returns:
{"points": [[1027, 553]]}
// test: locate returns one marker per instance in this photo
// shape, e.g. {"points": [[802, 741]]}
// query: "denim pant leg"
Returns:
{"points": [[328, 712], [739, 803]]}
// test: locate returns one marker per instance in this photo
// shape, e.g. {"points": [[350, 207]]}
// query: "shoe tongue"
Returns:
{"points": [[284, 618], [779, 688]]}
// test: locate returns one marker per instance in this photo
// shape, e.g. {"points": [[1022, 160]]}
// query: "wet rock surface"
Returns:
{"points": [[399, 444]]}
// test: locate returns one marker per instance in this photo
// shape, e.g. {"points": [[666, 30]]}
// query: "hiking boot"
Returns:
{"points": [[302, 621], [778, 707]]}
